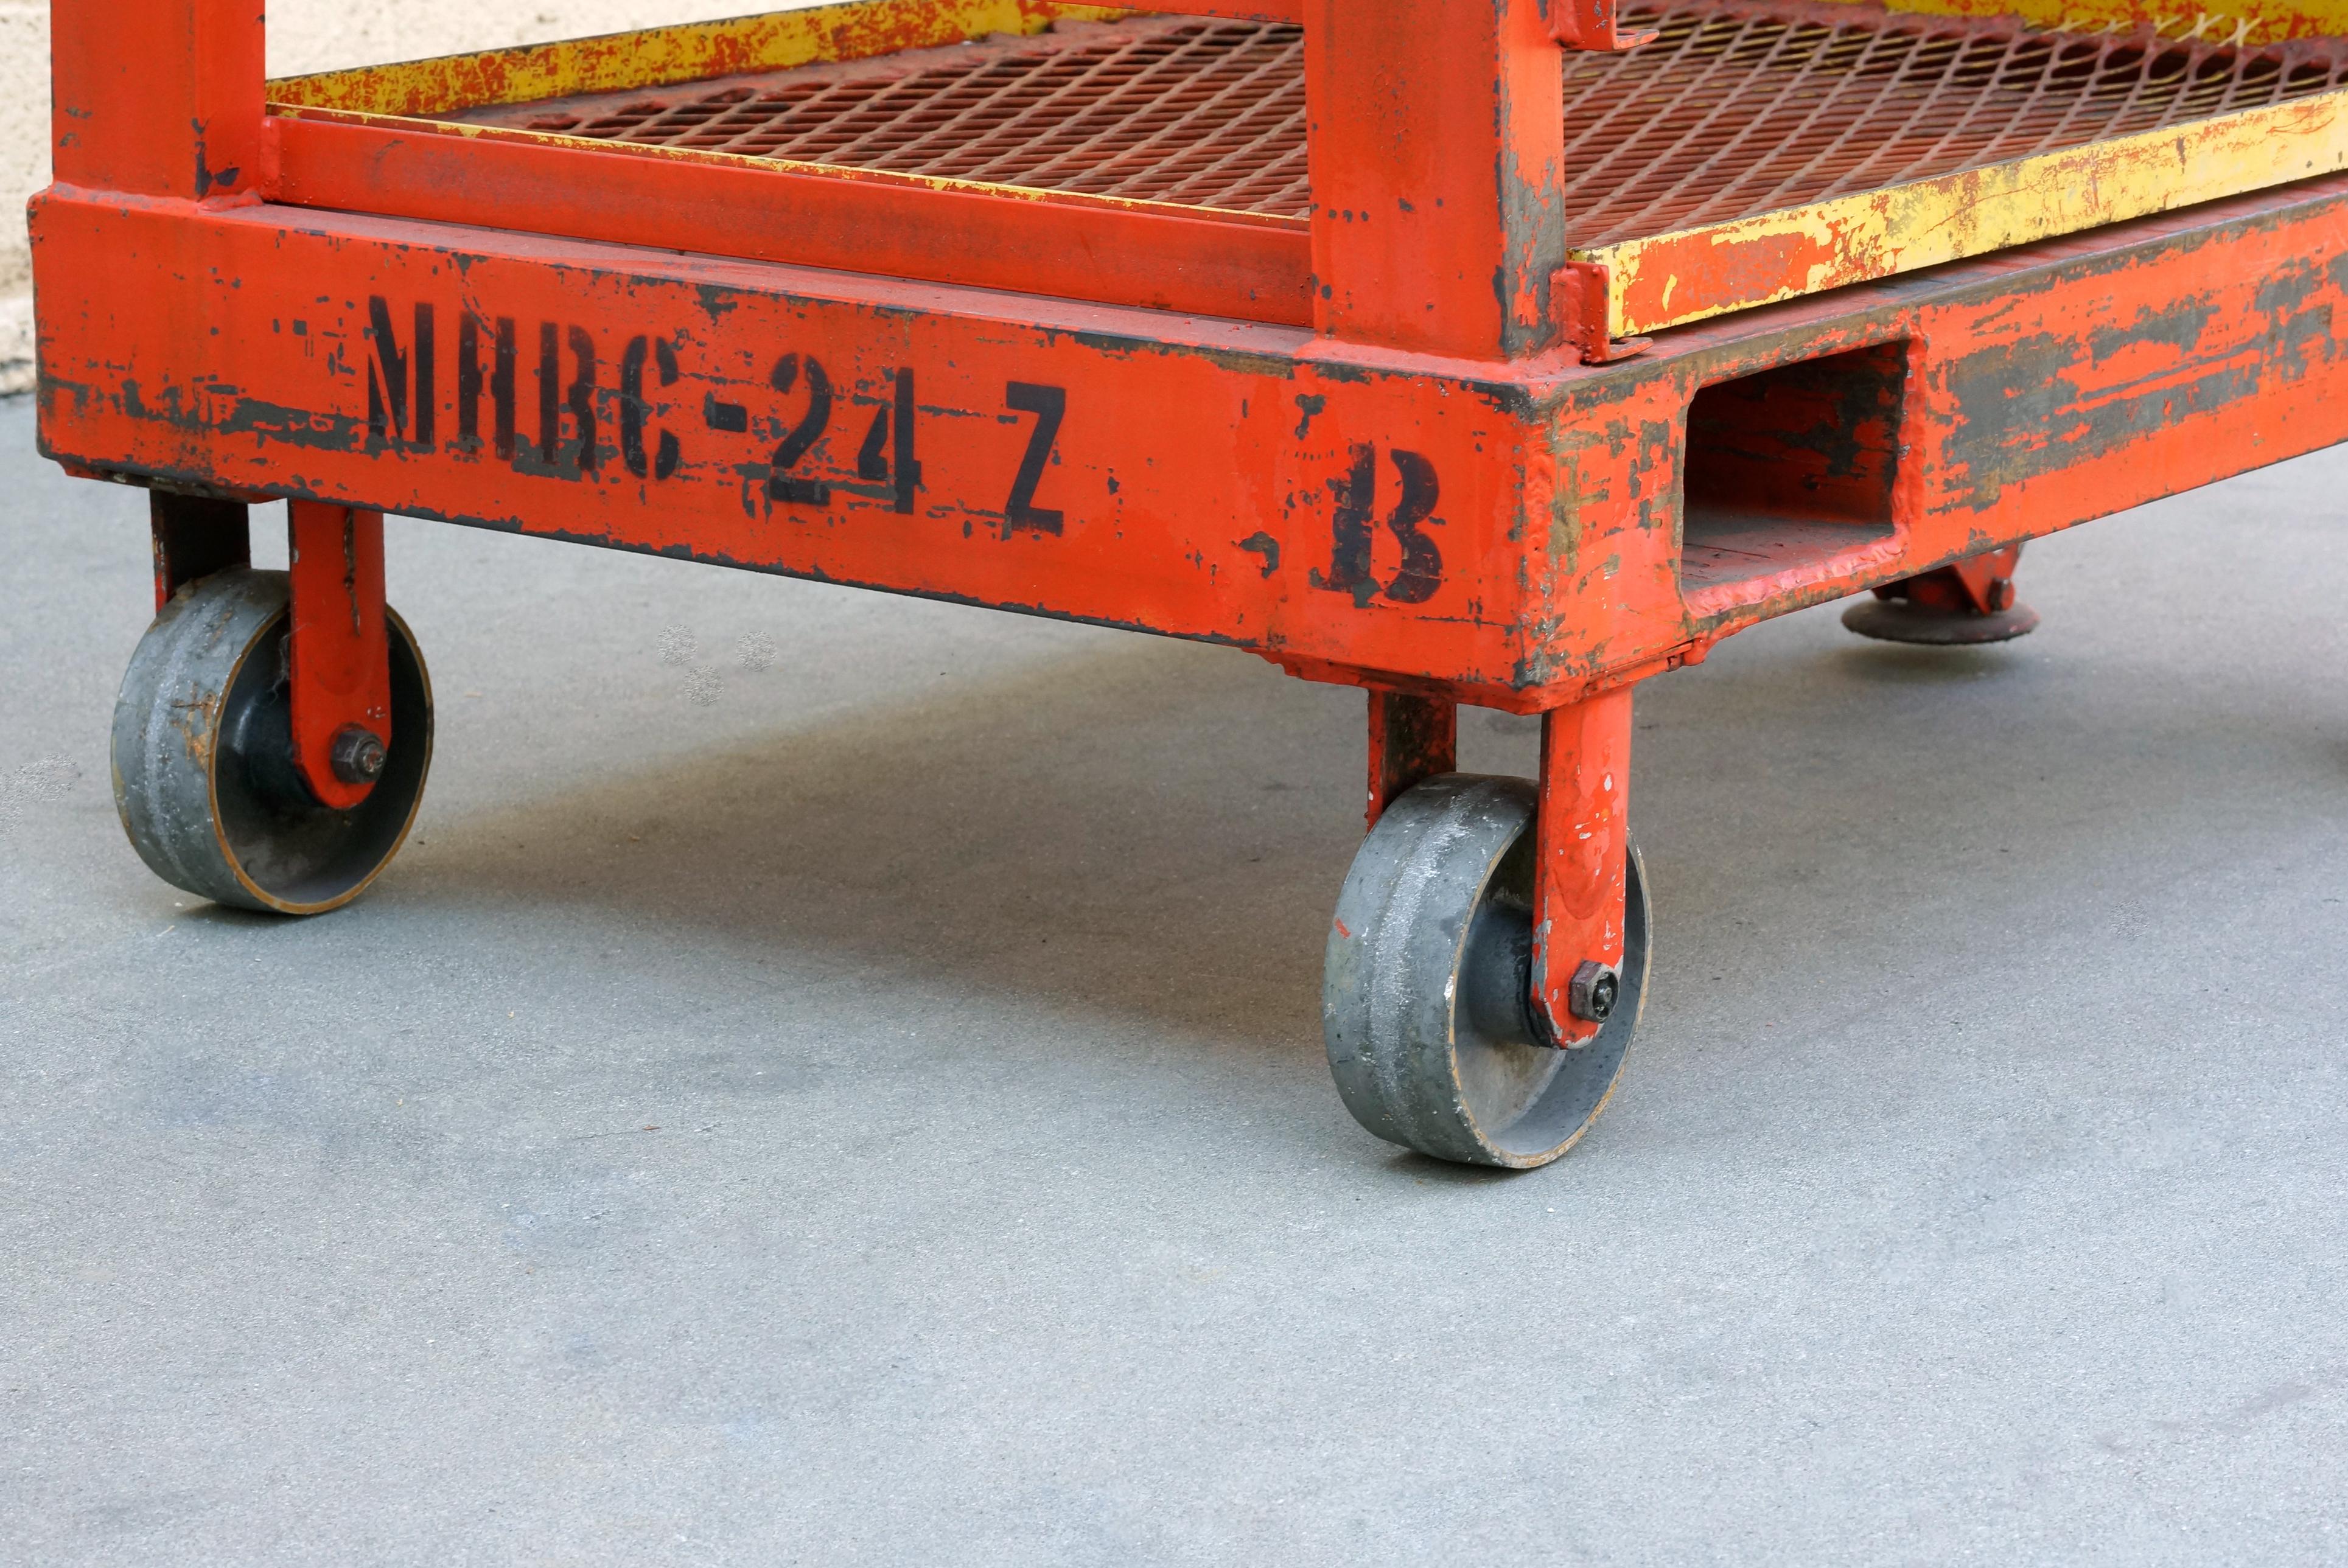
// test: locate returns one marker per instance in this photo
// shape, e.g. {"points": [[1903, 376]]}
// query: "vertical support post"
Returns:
{"points": [[160, 98], [195, 538], [1411, 738], [341, 650], [1436, 140], [1585, 844]]}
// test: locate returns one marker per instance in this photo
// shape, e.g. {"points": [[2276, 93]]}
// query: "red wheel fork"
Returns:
{"points": [[1584, 848], [340, 662], [1584, 842]]}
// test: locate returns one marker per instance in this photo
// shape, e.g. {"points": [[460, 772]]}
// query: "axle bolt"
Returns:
{"points": [[359, 758], [1591, 995]]}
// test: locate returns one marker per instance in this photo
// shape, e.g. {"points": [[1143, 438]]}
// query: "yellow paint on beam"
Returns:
{"points": [[1672, 279], [2232, 21], [660, 55]]}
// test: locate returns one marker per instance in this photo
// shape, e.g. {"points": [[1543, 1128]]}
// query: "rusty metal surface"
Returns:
{"points": [[1412, 737], [1583, 861], [1755, 153], [1738, 109], [338, 659], [1203, 479], [194, 537]]}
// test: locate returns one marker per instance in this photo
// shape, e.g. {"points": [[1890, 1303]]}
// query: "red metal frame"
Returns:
{"points": [[1584, 847], [1438, 174], [341, 649], [1401, 474], [1165, 258]]}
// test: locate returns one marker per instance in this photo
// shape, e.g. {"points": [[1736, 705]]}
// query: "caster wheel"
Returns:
{"points": [[1903, 621], [203, 756], [1426, 995]]}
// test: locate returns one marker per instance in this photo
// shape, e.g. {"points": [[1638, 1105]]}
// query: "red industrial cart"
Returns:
{"points": [[1500, 352]]}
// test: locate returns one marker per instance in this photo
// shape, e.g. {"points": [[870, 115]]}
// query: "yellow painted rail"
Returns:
{"points": [[2231, 21], [658, 56], [1668, 280]]}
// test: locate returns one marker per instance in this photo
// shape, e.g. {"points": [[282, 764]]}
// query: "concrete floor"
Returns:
{"points": [[870, 1108]]}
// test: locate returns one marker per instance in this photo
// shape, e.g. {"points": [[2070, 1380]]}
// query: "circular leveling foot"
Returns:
{"points": [[1905, 621]]}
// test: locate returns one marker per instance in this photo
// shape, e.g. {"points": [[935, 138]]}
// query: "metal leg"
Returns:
{"points": [[1431, 1004], [1411, 738], [1970, 601], [341, 658], [1583, 877], [195, 538]]}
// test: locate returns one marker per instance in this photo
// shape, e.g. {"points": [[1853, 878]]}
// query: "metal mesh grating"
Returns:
{"points": [[1203, 114], [1742, 110], [1740, 107]]}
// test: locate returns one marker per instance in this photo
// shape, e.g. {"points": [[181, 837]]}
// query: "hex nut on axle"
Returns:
{"points": [[1592, 992], [358, 754]]}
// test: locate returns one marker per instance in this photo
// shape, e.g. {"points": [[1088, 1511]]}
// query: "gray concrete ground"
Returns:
{"points": [[870, 1108]]}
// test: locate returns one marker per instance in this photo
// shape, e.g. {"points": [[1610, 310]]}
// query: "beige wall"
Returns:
{"points": [[304, 36], [24, 169]]}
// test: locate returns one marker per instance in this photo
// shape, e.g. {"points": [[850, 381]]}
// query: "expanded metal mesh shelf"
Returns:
{"points": [[1740, 107], [1202, 114]]}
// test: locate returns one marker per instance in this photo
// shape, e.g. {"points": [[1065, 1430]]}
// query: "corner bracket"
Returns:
{"points": [[1594, 24], [1579, 294]]}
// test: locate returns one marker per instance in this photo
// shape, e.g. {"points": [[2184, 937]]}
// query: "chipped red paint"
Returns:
{"points": [[1438, 173], [1412, 738], [339, 651], [1583, 851], [1233, 264], [1579, 294], [161, 98], [194, 537], [1219, 480], [1730, 264]]}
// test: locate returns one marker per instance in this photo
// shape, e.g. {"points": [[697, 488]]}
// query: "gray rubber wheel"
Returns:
{"points": [[1426, 995], [203, 757]]}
